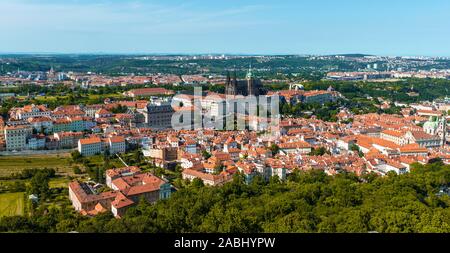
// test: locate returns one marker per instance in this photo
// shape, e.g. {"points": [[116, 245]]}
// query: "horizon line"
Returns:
{"points": [[212, 54]]}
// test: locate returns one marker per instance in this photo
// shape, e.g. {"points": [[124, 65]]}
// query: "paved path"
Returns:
{"points": [[120, 158], [36, 152]]}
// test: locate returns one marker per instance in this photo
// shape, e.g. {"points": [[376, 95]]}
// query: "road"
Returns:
{"points": [[36, 152]]}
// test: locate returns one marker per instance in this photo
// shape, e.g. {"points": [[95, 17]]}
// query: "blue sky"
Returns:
{"points": [[383, 27]]}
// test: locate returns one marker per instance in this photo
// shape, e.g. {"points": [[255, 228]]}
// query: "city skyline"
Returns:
{"points": [[404, 28]]}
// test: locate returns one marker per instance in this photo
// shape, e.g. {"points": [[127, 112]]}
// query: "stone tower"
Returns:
{"points": [[437, 126], [250, 82], [231, 85], [442, 130]]}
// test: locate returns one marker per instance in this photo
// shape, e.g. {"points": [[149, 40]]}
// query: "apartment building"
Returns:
{"points": [[90, 146], [30, 111], [96, 145], [41, 124], [116, 145], [68, 139], [16, 137]]}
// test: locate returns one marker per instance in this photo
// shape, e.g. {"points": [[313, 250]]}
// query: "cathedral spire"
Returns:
{"points": [[228, 78], [230, 87], [249, 73]]}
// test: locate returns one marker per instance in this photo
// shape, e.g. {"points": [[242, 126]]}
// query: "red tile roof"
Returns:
{"points": [[91, 140]]}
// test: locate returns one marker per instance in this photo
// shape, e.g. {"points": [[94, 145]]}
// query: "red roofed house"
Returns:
{"points": [[318, 96], [103, 113], [90, 146], [41, 124], [145, 92], [294, 147], [117, 145], [413, 150], [129, 186], [68, 139], [30, 111], [113, 174], [95, 145], [423, 139], [208, 179], [83, 197], [394, 136]]}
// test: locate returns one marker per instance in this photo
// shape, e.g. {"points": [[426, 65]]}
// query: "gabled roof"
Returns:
{"points": [[103, 111]]}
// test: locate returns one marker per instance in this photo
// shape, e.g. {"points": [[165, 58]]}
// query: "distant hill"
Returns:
{"points": [[354, 55]]}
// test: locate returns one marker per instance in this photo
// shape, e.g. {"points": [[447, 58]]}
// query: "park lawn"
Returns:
{"points": [[84, 98], [50, 98], [11, 204], [110, 95], [15, 164]]}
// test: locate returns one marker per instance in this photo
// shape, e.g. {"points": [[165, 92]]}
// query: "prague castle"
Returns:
{"points": [[247, 87]]}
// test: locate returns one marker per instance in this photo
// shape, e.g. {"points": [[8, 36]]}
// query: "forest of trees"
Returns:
{"points": [[117, 64], [306, 202], [428, 89]]}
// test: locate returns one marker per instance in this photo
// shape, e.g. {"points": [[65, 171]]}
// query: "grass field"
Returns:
{"points": [[98, 161], [50, 99], [11, 204], [15, 164], [59, 182]]}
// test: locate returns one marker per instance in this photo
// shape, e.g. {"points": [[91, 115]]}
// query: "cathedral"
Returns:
{"points": [[247, 87], [438, 127]]}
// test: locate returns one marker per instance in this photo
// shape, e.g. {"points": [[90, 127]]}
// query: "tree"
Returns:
{"points": [[17, 186], [230, 220], [356, 149], [197, 183], [206, 154], [76, 156], [119, 109], [310, 201], [437, 160], [66, 225], [295, 222], [218, 168], [318, 152], [77, 170], [39, 185], [137, 157], [275, 149]]}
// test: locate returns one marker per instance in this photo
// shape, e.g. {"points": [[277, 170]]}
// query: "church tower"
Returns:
{"points": [[230, 85], [228, 78], [250, 82], [437, 126], [234, 84], [442, 130]]}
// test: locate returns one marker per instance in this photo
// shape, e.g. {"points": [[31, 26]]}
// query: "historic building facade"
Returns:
{"points": [[247, 87]]}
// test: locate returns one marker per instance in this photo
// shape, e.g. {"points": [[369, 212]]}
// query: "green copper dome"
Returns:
{"points": [[431, 124], [250, 73]]}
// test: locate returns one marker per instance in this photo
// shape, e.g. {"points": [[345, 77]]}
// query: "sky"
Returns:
{"points": [[382, 27]]}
